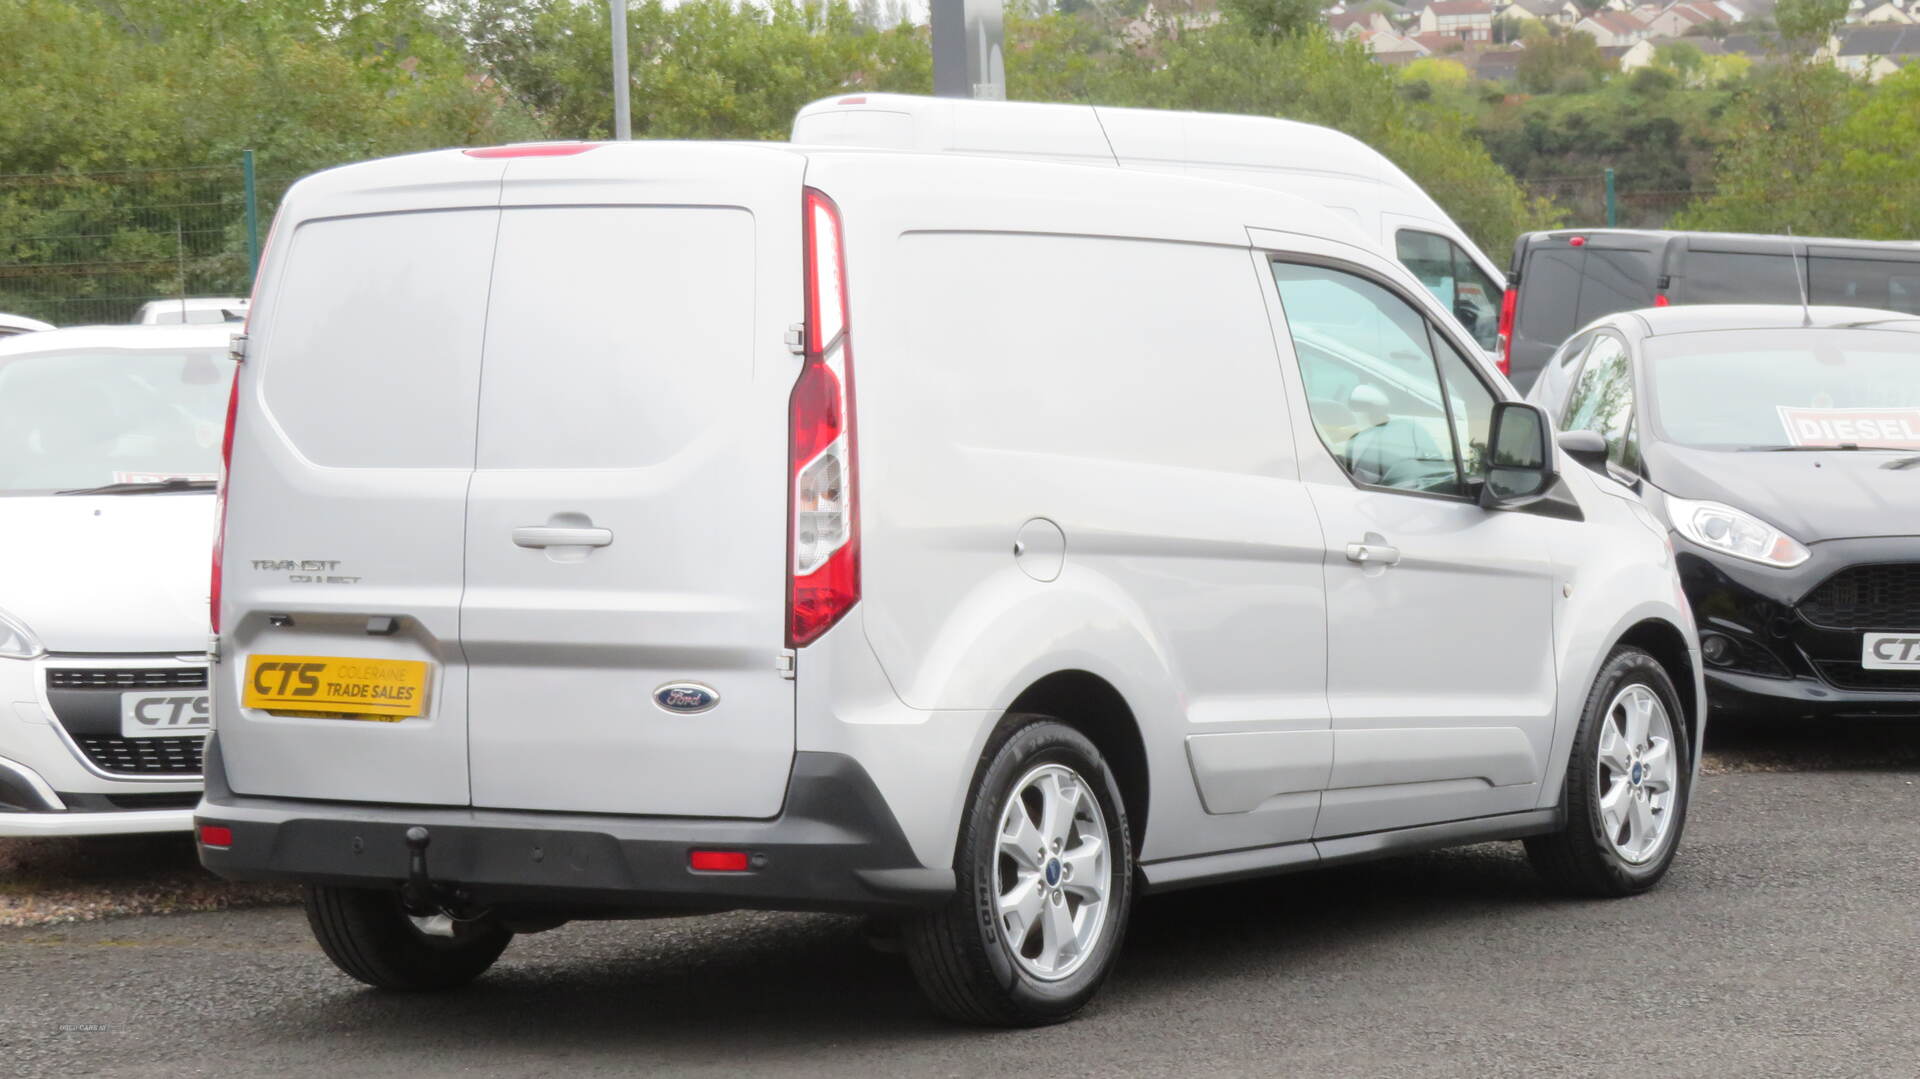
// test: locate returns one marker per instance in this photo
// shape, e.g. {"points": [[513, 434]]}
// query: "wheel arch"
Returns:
{"points": [[1091, 705], [1667, 644]]}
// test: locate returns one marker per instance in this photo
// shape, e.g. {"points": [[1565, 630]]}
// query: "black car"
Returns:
{"points": [[1781, 445], [1566, 278]]}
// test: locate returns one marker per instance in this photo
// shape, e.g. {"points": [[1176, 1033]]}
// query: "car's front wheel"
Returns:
{"points": [[1044, 875], [1628, 778]]}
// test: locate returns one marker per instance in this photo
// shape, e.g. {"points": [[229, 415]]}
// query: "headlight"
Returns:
{"points": [[1720, 527], [16, 640]]}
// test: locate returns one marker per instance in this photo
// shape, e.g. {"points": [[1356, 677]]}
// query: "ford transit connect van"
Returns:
{"points": [[975, 543]]}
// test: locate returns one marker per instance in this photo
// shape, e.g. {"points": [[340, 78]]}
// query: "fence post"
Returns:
{"points": [[1612, 215], [253, 216]]}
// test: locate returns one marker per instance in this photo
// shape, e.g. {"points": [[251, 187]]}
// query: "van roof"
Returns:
{"points": [[1195, 208], [1099, 135], [130, 336], [1738, 240]]}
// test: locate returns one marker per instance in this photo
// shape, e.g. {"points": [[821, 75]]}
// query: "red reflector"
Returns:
{"points": [[718, 861], [1577, 241], [1660, 300], [216, 835], [532, 149], [852, 101]]}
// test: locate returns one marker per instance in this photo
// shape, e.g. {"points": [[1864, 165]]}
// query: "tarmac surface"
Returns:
{"points": [[1786, 941]]}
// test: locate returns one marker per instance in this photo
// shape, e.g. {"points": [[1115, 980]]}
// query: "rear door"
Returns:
{"points": [[626, 527], [353, 449]]}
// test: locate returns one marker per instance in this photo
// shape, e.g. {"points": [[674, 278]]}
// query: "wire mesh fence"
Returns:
{"points": [[83, 248], [1584, 199]]}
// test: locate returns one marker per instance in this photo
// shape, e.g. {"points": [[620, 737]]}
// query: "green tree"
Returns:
{"points": [[1273, 18]]}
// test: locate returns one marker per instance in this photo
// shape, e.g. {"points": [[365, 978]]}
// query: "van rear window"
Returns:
{"points": [[1549, 292], [370, 339]]}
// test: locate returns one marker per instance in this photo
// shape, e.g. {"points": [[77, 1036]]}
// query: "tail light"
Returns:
{"points": [[1507, 304], [1660, 299], [226, 447], [220, 502], [823, 537]]}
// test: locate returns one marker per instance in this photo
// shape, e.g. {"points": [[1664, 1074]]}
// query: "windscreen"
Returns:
{"points": [[78, 419], [1785, 389]]}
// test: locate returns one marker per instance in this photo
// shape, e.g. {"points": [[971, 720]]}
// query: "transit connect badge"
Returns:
{"points": [[686, 698]]}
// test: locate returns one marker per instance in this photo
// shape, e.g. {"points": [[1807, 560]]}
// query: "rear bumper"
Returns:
{"points": [[834, 847]]}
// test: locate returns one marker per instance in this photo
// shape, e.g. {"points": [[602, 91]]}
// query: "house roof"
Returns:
{"points": [[1542, 8], [1616, 22], [1496, 64], [1462, 7], [1437, 41], [1880, 40], [1691, 14]]}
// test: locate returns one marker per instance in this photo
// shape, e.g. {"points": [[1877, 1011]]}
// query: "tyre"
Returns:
{"points": [[1628, 779], [368, 934], [1044, 875]]}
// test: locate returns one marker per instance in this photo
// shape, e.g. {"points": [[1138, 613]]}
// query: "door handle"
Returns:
{"points": [[556, 536], [1373, 554]]}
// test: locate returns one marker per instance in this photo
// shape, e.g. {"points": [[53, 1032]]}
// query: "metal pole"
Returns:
{"points": [[1613, 216], [253, 216], [622, 90]]}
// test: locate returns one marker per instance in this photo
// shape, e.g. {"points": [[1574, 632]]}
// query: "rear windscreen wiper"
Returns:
{"points": [[1904, 462], [176, 483]]}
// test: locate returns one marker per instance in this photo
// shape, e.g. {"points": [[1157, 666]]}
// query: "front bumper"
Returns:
{"points": [[834, 847], [1787, 665]]}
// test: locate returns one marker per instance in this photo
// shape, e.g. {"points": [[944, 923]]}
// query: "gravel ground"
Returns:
{"points": [[46, 881]]}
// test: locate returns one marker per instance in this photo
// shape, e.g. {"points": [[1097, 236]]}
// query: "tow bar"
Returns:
{"points": [[416, 895]]}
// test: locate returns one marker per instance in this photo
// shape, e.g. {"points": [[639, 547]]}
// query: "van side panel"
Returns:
{"points": [[1128, 392], [352, 452]]}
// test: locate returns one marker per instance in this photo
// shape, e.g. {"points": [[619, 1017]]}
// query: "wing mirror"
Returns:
{"points": [[1520, 467], [1587, 447]]}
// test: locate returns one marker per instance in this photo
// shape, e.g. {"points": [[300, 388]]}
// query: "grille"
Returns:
{"points": [[127, 678], [1867, 597], [143, 756], [1850, 675]]}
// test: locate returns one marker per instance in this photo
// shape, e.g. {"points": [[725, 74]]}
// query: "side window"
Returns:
{"points": [[1453, 277], [1471, 405], [1602, 401], [1372, 387]]}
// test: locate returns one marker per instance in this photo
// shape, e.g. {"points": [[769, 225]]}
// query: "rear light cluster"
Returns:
{"points": [[823, 567], [226, 447], [1507, 304]]}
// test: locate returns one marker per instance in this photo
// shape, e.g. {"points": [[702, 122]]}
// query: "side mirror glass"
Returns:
{"points": [[1519, 461]]}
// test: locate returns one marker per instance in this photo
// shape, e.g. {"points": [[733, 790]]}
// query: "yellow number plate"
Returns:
{"points": [[367, 688]]}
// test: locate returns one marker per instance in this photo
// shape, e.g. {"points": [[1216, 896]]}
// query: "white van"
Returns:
{"points": [[972, 542], [109, 452], [1331, 168]]}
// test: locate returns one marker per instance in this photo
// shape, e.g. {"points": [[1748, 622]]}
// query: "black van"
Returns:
{"points": [[1561, 280]]}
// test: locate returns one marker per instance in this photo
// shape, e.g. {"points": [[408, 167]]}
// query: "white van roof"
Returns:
{"points": [[1197, 208], [1149, 139]]}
